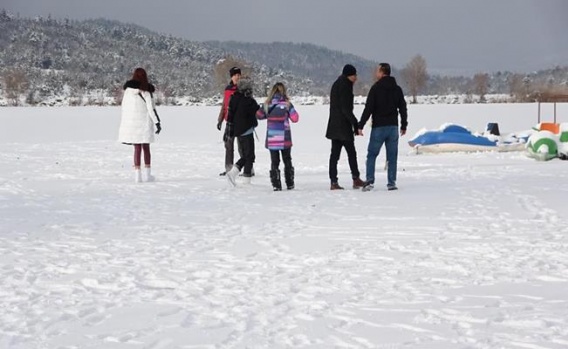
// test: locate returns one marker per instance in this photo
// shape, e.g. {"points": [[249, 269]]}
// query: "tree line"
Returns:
{"points": [[87, 62], [546, 85]]}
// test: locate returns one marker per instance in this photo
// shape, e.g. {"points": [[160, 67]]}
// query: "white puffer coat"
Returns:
{"points": [[138, 117]]}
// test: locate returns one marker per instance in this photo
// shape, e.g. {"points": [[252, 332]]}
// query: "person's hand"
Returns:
{"points": [[359, 132], [229, 132], [219, 124], [158, 128], [402, 132]]}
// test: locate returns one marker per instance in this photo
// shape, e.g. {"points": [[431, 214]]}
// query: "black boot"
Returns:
{"points": [[289, 176], [275, 179]]}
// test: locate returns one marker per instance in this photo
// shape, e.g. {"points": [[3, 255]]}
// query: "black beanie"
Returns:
{"points": [[349, 70], [234, 71]]}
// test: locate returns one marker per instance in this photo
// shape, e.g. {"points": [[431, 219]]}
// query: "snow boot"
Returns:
{"points": [[251, 173], [246, 179], [137, 175], [289, 177], [232, 175], [275, 180], [148, 174]]}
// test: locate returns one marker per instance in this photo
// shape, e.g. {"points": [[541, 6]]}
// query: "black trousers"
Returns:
{"points": [[230, 152], [336, 147], [246, 143], [286, 158]]}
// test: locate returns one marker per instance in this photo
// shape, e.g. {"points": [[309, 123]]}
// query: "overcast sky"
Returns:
{"points": [[454, 36]]}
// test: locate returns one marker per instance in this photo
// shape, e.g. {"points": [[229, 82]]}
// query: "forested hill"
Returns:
{"points": [[44, 57], [318, 63], [58, 55]]}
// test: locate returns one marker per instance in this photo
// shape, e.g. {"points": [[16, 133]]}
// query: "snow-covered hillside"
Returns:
{"points": [[54, 61]]}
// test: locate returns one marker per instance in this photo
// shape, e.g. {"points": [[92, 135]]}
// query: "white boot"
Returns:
{"points": [[232, 175], [246, 180], [148, 174], [137, 175]]}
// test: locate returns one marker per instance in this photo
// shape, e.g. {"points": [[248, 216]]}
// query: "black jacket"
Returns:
{"points": [[242, 113], [384, 102], [342, 122]]}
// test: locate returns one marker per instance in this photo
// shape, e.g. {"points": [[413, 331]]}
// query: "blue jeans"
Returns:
{"points": [[389, 136]]}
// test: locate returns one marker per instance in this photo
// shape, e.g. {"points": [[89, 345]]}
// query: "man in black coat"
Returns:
{"points": [[384, 102], [342, 126]]}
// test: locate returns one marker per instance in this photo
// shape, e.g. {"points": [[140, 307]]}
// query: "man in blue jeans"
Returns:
{"points": [[384, 102]]}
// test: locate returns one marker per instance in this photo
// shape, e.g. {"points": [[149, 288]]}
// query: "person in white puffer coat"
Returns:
{"points": [[139, 121]]}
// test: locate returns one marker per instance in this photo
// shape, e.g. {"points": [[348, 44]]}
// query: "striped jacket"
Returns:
{"points": [[278, 114]]}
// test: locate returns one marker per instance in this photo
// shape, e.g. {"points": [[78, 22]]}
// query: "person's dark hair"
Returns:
{"points": [[141, 77], [234, 71], [349, 70], [385, 68]]}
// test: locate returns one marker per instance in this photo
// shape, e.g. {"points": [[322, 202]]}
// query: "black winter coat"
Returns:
{"points": [[342, 122], [242, 113], [384, 101]]}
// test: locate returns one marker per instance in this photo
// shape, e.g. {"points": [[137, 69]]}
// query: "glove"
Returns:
{"points": [[229, 132], [158, 128], [219, 124]]}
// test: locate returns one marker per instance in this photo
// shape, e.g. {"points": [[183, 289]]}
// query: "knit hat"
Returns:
{"points": [[349, 70], [234, 71]]}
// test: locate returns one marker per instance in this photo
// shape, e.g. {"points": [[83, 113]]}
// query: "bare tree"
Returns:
{"points": [[167, 94], [415, 75], [527, 87], [31, 97], [117, 93], [550, 92], [481, 85], [515, 82], [15, 85]]}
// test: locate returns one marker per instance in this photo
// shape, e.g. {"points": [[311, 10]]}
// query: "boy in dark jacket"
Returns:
{"points": [[241, 121], [342, 126]]}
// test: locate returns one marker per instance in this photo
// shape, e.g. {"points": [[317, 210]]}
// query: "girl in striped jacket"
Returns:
{"points": [[279, 111]]}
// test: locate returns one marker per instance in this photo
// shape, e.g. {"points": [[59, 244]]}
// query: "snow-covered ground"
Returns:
{"points": [[471, 252]]}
